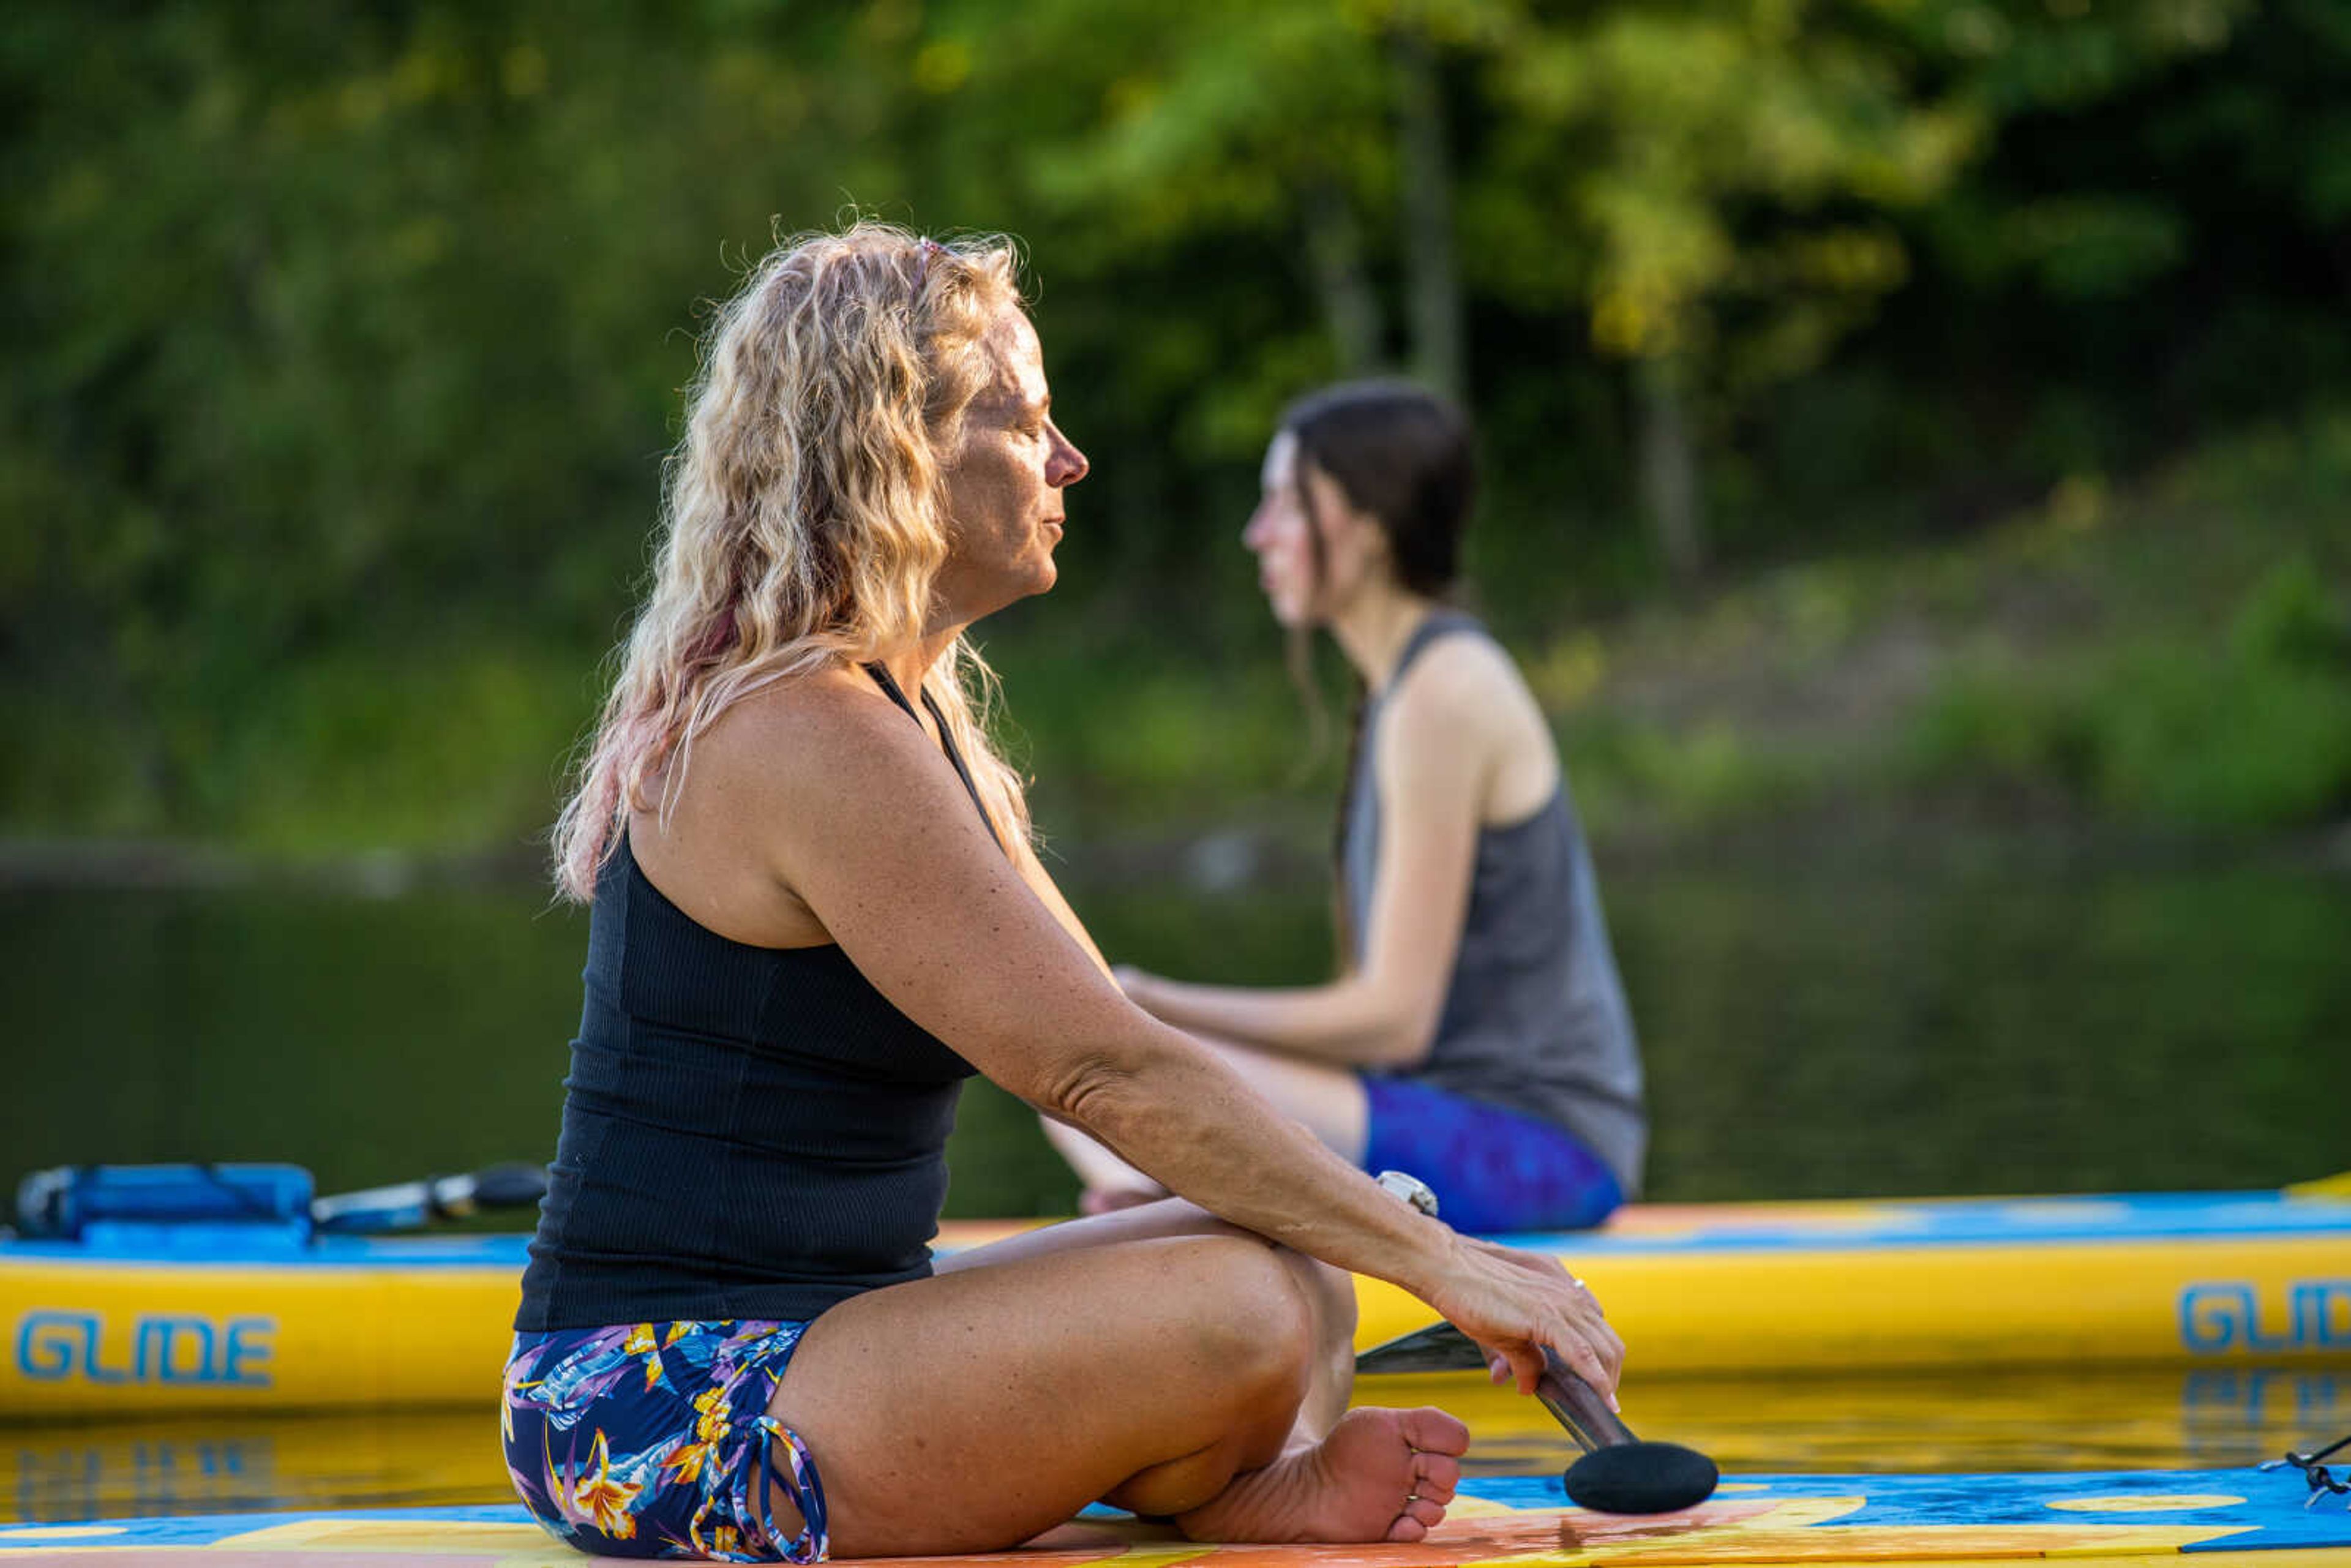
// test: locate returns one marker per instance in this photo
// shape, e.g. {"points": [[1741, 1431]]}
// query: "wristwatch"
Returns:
{"points": [[1409, 1190]]}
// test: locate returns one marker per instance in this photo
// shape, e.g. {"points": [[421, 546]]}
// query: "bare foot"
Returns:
{"points": [[1381, 1475]]}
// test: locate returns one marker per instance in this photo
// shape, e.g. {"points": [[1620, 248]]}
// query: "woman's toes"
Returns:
{"points": [[1436, 1475], [1435, 1431], [1429, 1510]]}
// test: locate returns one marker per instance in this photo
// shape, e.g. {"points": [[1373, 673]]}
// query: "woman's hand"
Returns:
{"points": [[1513, 1303]]}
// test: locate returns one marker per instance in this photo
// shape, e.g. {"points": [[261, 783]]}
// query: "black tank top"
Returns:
{"points": [[747, 1131]]}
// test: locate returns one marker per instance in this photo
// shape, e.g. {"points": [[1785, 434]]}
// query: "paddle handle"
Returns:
{"points": [[411, 1205]]}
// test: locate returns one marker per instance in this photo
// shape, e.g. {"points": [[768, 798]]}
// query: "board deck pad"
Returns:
{"points": [[2249, 1517]]}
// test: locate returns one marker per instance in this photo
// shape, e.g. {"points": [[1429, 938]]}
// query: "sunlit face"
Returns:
{"points": [[1302, 591], [1005, 481]]}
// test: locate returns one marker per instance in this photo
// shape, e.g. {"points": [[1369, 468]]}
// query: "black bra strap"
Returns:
{"points": [[883, 678]]}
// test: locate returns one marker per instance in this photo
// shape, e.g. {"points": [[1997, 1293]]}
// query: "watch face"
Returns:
{"points": [[1411, 1189]]}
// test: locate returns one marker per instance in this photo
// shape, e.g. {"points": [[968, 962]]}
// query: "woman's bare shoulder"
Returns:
{"points": [[1465, 698], [802, 727], [768, 783], [1459, 685]]}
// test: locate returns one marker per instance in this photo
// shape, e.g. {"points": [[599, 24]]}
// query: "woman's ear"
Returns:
{"points": [[1340, 518], [1367, 536]]}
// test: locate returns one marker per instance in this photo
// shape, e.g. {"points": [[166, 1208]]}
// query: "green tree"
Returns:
{"points": [[1706, 183], [350, 325]]}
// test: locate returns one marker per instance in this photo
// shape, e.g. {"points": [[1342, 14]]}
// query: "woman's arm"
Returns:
{"points": [[1041, 883], [1433, 764], [1106, 1179], [857, 814]]}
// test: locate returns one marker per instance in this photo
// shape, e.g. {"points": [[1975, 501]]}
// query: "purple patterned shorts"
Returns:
{"points": [[1491, 1169], [654, 1440]]}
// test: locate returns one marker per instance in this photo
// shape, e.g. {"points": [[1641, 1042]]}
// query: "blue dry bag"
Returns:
{"points": [[64, 1202]]}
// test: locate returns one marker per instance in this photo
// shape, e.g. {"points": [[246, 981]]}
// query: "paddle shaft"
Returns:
{"points": [[1578, 1408]]}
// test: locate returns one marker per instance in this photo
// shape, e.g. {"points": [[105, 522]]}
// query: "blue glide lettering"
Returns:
{"points": [[2322, 1314], [46, 1344], [2221, 1315], [236, 1349], [60, 1346], [156, 1339]]}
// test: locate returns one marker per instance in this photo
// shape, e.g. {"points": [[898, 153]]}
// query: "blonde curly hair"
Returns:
{"points": [[804, 519]]}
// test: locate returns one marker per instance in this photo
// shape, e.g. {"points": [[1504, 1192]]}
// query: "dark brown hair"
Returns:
{"points": [[1403, 455], [1400, 454]]}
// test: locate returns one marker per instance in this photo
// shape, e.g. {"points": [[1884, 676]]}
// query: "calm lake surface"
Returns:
{"points": [[2009, 1023], [1857, 1026]]}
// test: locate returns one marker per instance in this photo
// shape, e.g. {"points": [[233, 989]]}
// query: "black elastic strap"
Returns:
{"points": [[2323, 1482], [883, 678]]}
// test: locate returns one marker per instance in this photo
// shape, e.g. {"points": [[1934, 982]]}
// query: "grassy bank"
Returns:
{"points": [[2172, 653]]}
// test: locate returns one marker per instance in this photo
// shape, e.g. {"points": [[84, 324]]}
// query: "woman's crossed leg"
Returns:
{"points": [[1168, 1374]]}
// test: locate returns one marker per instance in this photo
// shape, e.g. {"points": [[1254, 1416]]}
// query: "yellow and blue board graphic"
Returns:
{"points": [[2229, 1519], [2224, 1279]]}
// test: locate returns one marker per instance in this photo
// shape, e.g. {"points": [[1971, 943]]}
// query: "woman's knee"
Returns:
{"points": [[1255, 1318], [1332, 1292]]}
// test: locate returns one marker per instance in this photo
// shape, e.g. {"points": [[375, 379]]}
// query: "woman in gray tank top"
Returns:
{"points": [[1478, 1036]]}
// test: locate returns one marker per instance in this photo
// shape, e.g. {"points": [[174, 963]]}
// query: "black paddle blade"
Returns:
{"points": [[1618, 1473], [1641, 1478]]}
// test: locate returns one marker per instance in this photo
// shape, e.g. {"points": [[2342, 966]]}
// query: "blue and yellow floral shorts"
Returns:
{"points": [[654, 1440]]}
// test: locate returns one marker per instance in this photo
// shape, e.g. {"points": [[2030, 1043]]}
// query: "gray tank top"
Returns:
{"points": [[1534, 1018]]}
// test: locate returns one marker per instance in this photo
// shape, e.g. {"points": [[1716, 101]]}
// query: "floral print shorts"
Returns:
{"points": [[654, 1440]]}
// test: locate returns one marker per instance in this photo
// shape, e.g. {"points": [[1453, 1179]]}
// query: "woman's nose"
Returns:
{"points": [[1069, 465]]}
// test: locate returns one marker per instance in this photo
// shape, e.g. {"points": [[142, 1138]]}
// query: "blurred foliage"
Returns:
{"points": [[2174, 654], [345, 341], [2252, 732]]}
